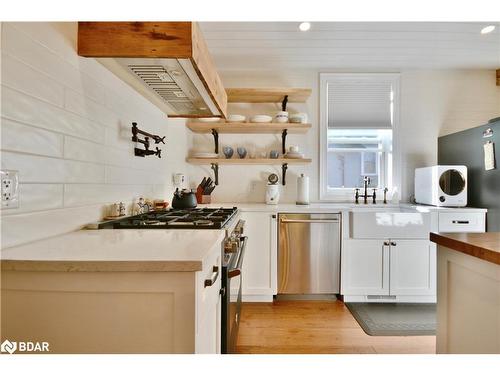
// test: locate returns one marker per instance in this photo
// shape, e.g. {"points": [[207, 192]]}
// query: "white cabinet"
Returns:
{"points": [[259, 264], [392, 269], [365, 268], [412, 268], [208, 306]]}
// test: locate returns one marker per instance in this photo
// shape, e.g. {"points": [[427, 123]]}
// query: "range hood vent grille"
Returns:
{"points": [[164, 85]]}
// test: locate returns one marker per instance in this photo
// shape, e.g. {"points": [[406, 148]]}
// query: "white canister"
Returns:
{"points": [[302, 189], [272, 194]]}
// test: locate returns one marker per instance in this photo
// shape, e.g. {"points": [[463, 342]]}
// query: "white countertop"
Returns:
{"points": [[150, 249], [329, 207], [115, 250]]}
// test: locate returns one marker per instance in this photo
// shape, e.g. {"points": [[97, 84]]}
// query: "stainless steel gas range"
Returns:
{"points": [[233, 251]]}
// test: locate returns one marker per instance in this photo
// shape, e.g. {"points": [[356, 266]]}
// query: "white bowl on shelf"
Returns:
{"points": [[294, 155], [236, 118], [209, 119], [261, 118]]}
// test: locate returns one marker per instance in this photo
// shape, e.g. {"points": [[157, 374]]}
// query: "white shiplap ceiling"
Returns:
{"points": [[352, 45]]}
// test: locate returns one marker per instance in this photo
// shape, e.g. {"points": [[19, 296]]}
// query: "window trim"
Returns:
{"points": [[343, 194]]}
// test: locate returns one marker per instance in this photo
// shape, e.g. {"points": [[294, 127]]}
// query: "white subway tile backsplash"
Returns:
{"points": [[66, 127], [25, 138], [19, 229], [19, 76], [39, 169], [37, 197], [88, 108], [80, 149], [117, 175], [82, 172], [85, 194], [20, 107], [32, 168], [32, 53]]}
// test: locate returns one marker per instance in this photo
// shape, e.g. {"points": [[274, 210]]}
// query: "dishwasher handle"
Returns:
{"points": [[286, 221]]}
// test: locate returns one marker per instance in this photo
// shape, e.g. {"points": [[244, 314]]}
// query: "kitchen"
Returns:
{"points": [[285, 209]]}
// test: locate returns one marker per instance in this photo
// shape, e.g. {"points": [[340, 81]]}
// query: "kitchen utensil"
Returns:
{"points": [[242, 152], [228, 152], [184, 199], [236, 118], [205, 155], [281, 117], [209, 119], [273, 154], [203, 182], [302, 190], [273, 178], [261, 118]]}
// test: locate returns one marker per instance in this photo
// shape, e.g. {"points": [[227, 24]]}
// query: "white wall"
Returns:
{"points": [[433, 103], [65, 127]]}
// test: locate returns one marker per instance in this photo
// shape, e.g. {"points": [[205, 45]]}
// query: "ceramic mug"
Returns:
{"points": [[293, 149], [281, 117], [273, 154]]}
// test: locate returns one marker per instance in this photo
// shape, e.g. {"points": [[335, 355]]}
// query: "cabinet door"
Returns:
{"points": [[365, 267], [413, 268], [208, 305], [258, 276]]}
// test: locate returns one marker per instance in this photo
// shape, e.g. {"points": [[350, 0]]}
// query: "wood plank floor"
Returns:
{"points": [[316, 327]]}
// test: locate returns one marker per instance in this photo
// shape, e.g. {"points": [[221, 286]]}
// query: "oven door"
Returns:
{"points": [[231, 301]]}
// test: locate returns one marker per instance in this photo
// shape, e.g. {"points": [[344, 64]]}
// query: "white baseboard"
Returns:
{"points": [[402, 299], [257, 298]]}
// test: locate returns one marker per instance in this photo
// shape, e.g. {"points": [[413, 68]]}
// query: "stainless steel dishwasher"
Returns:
{"points": [[308, 253]]}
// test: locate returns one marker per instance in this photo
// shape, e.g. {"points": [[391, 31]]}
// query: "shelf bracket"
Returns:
{"points": [[215, 168], [215, 133], [284, 167], [284, 133]]}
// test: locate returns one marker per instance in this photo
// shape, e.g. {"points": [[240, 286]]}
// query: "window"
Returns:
{"points": [[359, 115]]}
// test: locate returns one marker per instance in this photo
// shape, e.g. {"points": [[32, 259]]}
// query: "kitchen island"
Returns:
{"points": [[468, 293], [115, 291]]}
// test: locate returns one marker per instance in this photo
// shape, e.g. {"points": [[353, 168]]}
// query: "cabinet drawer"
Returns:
{"points": [[461, 222]]}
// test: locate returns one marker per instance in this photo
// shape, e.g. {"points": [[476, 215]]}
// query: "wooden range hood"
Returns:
{"points": [[167, 62]]}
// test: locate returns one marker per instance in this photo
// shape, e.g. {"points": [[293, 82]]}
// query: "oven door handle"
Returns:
{"points": [[237, 270]]}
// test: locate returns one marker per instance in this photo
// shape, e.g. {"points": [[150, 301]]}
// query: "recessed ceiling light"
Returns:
{"points": [[304, 26], [488, 29]]}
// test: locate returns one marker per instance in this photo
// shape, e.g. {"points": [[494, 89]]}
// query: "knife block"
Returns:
{"points": [[203, 199]]}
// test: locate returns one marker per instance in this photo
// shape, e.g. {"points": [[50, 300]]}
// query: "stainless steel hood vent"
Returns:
{"points": [[170, 84]]}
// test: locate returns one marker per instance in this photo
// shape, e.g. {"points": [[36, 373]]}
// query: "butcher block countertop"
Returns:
{"points": [[485, 246], [143, 250]]}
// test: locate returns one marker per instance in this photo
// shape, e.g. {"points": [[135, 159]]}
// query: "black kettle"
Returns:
{"points": [[184, 199]]}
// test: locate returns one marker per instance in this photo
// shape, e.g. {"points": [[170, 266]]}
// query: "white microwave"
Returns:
{"points": [[441, 185]]}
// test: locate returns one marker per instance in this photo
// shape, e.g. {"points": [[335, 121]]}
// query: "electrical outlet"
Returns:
{"points": [[10, 189]]}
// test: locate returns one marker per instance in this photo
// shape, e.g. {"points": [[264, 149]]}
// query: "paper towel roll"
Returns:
{"points": [[302, 189]]}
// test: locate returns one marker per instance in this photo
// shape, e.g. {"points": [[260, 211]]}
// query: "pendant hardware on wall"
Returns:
{"points": [[147, 136]]}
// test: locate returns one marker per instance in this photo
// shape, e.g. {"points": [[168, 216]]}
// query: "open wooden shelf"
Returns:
{"points": [[267, 95], [257, 161], [247, 127]]}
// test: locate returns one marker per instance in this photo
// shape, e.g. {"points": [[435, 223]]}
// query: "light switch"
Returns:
{"points": [[10, 189]]}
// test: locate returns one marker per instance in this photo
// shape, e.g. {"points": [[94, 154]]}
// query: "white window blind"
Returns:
{"points": [[360, 102]]}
